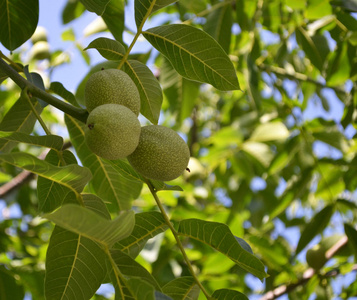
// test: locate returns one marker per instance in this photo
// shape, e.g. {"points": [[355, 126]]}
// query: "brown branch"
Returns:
{"points": [[308, 274], [24, 177]]}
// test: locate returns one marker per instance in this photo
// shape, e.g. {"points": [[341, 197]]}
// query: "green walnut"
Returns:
{"points": [[112, 131], [315, 257], [161, 154], [40, 50], [111, 86]]}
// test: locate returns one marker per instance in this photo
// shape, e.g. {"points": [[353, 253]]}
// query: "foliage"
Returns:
{"points": [[264, 93]]}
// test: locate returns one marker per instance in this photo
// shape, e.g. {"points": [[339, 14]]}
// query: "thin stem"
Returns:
{"points": [[176, 235], [298, 76], [78, 113], [209, 10], [140, 29], [16, 66], [25, 95]]}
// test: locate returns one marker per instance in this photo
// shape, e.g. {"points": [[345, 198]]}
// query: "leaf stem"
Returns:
{"points": [[140, 29], [25, 94], [176, 235], [11, 62], [209, 10], [78, 113]]}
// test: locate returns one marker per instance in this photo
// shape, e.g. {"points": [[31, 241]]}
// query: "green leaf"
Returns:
{"points": [[108, 48], [149, 89], [351, 233], [315, 226], [51, 194], [130, 268], [75, 265], [141, 290], [194, 54], [114, 17], [18, 21], [72, 11], [219, 25], [49, 141], [143, 9], [10, 288], [309, 47], [261, 152], [184, 287], [89, 224], [60, 90], [94, 203], [225, 294], [147, 225], [219, 237], [19, 118], [107, 183], [269, 132], [181, 93], [96, 6], [73, 176]]}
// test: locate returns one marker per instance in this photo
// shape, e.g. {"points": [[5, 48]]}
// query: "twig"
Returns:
{"points": [[307, 275], [78, 113], [299, 76], [178, 241]]}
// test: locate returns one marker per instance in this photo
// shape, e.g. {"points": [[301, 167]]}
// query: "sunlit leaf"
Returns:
{"points": [[219, 237], [52, 194], [269, 132], [147, 225], [81, 221], [18, 21], [194, 54], [49, 141], [182, 288], [73, 176]]}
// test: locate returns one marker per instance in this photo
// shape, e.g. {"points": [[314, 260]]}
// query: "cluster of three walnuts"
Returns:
{"points": [[113, 130]]}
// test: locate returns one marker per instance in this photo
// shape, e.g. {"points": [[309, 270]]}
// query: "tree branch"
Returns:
{"points": [[298, 76], [78, 113], [308, 274]]}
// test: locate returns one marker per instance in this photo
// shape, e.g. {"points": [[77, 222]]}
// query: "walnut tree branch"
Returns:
{"points": [[78, 113]]}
